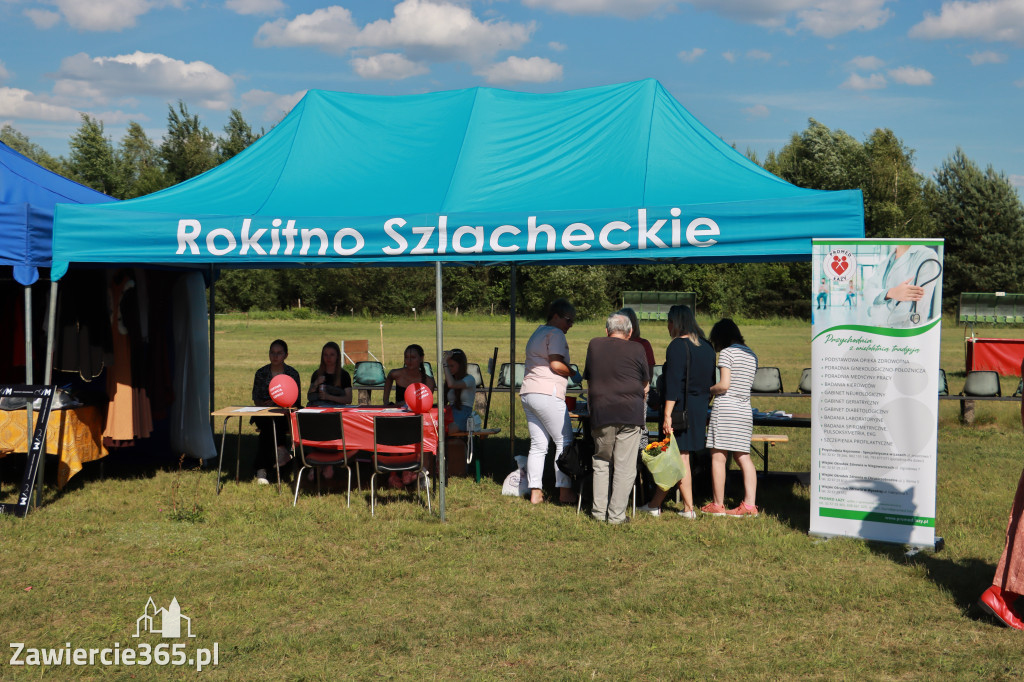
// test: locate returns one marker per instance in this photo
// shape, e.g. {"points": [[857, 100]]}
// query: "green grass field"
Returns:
{"points": [[504, 590]]}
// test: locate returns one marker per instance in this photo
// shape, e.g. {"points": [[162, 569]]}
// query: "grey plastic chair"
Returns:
{"points": [[767, 380], [504, 376], [806, 381], [943, 384], [368, 373], [982, 383]]}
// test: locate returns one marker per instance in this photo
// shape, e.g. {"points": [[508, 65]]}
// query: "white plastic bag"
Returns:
{"points": [[515, 484]]}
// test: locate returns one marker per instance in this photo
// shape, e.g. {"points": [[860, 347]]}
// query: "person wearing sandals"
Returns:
{"points": [[330, 386], [268, 449], [543, 397], [618, 378], [688, 375], [411, 372], [731, 423]]}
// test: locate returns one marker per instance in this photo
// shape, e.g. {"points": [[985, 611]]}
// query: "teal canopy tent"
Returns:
{"points": [[620, 173]]}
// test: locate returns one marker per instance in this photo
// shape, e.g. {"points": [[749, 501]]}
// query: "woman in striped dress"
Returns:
{"points": [[731, 422]]}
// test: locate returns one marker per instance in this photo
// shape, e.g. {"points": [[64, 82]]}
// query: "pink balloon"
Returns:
{"points": [[283, 390], [419, 398]]}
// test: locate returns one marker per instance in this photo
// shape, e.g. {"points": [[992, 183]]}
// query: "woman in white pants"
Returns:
{"points": [[543, 397]]}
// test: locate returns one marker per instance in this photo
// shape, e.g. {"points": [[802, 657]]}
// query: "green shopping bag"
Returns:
{"points": [[666, 466]]}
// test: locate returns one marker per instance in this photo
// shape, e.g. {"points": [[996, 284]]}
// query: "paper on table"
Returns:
{"points": [[249, 409]]}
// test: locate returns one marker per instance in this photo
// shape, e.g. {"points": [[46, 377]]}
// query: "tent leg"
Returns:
{"points": [[51, 342], [512, 365], [213, 300], [28, 339], [439, 330]]}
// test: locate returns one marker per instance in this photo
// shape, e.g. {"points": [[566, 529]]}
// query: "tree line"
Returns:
{"points": [[978, 213]]}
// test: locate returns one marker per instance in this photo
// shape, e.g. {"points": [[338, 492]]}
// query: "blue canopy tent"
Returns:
{"points": [[477, 176], [28, 194]]}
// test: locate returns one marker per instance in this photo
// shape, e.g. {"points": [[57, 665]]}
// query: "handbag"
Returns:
{"points": [[576, 461], [666, 467], [679, 419]]}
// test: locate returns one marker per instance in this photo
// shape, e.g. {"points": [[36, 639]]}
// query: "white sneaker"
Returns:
{"points": [[261, 477], [653, 511], [692, 514]]}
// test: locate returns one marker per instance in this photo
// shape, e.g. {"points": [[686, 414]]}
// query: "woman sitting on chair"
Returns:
{"points": [[269, 450], [330, 386], [412, 372], [460, 394]]}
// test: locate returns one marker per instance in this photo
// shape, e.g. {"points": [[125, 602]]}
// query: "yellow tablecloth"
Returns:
{"points": [[74, 435]]}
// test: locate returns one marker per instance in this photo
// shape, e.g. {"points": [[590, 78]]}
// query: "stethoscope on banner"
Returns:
{"points": [[915, 317]]}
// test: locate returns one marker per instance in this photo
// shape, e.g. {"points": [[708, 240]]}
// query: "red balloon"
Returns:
{"points": [[283, 390], [419, 398]]}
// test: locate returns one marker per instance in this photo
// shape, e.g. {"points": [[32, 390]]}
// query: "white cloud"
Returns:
{"points": [[557, 46], [830, 18], [98, 79], [519, 70], [42, 18], [621, 8], [757, 111], [419, 27], [866, 63], [729, 57], [909, 75], [109, 15], [987, 57], [759, 54], [690, 56], [387, 66], [275, 106], [4, 73], [875, 81], [16, 103], [255, 6], [989, 20]]}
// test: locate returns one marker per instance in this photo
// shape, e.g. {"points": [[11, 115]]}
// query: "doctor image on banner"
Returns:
{"points": [[900, 293]]}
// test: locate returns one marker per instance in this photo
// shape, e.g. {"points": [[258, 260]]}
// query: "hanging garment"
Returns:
{"points": [[128, 413]]}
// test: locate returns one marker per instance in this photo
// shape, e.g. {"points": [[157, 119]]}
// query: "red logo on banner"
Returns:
{"points": [[839, 264]]}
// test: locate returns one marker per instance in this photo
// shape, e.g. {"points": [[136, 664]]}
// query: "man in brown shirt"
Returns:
{"points": [[617, 381]]}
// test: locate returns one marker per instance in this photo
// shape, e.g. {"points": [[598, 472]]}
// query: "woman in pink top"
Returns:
{"points": [[543, 398]]}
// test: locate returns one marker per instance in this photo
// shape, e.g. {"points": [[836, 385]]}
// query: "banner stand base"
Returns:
{"points": [[938, 545]]}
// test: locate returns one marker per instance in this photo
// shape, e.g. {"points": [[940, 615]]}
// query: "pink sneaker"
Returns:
{"points": [[713, 509], [743, 510]]}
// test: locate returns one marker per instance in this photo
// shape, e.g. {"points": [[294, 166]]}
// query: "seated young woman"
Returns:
{"points": [[330, 386], [412, 372], [269, 450]]}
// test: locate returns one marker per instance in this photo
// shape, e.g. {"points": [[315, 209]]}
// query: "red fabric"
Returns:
{"points": [[1002, 355], [358, 425]]}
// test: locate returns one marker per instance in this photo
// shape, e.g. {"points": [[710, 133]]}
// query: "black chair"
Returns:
{"points": [[320, 439], [393, 432]]}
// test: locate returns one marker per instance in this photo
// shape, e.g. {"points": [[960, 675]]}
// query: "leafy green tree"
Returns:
{"points": [[981, 218], [585, 285], [92, 161], [894, 202], [20, 143], [246, 290], [819, 158], [238, 136], [189, 148], [141, 171]]}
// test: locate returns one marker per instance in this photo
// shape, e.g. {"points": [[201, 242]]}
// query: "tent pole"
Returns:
{"points": [[512, 365], [442, 466], [28, 339], [213, 301], [51, 342]]}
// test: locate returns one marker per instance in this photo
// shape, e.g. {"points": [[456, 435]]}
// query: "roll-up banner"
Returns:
{"points": [[876, 324]]}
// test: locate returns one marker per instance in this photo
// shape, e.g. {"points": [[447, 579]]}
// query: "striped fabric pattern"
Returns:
{"points": [[731, 422]]}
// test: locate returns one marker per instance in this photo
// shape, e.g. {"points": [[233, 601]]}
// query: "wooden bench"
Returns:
{"points": [[766, 441]]}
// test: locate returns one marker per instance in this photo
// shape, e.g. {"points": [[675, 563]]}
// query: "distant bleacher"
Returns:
{"points": [[654, 305], [995, 308]]}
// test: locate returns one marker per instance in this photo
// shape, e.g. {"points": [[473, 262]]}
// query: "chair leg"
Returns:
{"points": [[373, 494], [298, 484], [426, 486], [348, 495]]}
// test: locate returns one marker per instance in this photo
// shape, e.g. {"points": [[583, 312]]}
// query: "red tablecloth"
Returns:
{"points": [[358, 425], [1001, 355]]}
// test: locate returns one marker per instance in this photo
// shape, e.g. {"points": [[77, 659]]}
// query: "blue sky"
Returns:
{"points": [[939, 74]]}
